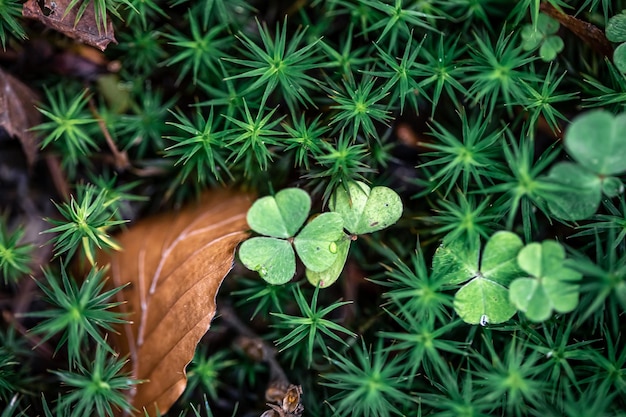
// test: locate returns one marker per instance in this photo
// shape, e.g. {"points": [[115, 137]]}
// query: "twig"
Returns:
{"points": [[588, 33], [120, 158], [35, 341], [268, 354], [58, 177]]}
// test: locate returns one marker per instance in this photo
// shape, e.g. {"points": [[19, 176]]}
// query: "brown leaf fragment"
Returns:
{"points": [[175, 263], [18, 114], [52, 13]]}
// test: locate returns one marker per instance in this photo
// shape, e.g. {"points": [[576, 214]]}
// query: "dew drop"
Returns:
{"points": [[484, 320], [332, 247]]}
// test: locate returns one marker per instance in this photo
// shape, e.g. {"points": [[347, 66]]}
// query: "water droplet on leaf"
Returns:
{"points": [[333, 247]]}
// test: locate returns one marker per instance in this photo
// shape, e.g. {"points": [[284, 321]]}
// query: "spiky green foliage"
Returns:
{"points": [[310, 326], [79, 312], [10, 11], [98, 386], [15, 256], [449, 103], [279, 63], [467, 155], [367, 383], [201, 150], [197, 52], [204, 372], [497, 71], [85, 224], [68, 122], [253, 138], [358, 107]]}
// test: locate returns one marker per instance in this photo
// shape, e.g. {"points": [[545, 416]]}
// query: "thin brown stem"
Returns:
{"points": [[588, 33], [120, 157]]}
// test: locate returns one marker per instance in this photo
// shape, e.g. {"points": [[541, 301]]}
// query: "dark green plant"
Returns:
{"points": [[68, 123], [198, 51], [15, 256], [10, 11], [279, 64], [86, 219], [310, 326], [97, 387], [369, 383], [482, 266], [80, 312], [204, 372]]}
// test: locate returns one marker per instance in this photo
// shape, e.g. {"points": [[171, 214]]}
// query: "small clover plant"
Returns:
{"points": [[484, 296], [280, 218], [616, 32], [321, 244], [594, 140], [551, 284], [543, 36]]}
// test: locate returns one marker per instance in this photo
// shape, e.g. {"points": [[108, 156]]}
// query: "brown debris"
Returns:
{"points": [[18, 114], [54, 14]]}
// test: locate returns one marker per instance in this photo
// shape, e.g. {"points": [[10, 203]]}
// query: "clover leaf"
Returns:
{"points": [[328, 276], [366, 210], [281, 215], [551, 285], [272, 258], [322, 244], [579, 195], [484, 297], [279, 218], [616, 32], [315, 244], [594, 140], [616, 28], [542, 35]]}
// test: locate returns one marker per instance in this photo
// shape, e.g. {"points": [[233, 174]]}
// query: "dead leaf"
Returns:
{"points": [[18, 113], [175, 263], [52, 14]]}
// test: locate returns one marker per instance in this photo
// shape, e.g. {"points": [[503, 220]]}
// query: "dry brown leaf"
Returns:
{"points": [[175, 263], [18, 113], [52, 14]]}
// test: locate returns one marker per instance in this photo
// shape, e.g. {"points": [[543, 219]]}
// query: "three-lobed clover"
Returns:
{"points": [[543, 35], [595, 142], [321, 244], [507, 277], [484, 296], [550, 285]]}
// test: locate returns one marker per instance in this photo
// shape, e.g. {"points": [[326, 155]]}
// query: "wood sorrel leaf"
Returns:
{"points": [[316, 243], [281, 215], [595, 140], [272, 258], [366, 210], [552, 285], [456, 262], [616, 28], [328, 276], [580, 195], [499, 261], [483, 301], [619, 57]]}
